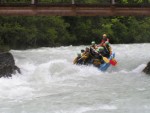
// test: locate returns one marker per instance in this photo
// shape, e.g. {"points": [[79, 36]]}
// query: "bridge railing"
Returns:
{"points": [[120, 3]]}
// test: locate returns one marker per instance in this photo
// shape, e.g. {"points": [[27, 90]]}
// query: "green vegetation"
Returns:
{"points": [[30, 32]]}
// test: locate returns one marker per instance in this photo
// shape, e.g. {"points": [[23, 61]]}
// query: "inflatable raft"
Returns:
{"points": [[104, 66], [106, 62]]}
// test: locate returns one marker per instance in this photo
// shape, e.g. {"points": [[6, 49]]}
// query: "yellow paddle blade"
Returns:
{"points": [[106, 59]]}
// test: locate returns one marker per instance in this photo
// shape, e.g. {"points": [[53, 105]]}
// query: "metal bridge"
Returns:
{"points": [[36, 8]]}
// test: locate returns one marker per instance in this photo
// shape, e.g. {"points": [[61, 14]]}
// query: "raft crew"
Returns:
{"points": [[94, 55]]}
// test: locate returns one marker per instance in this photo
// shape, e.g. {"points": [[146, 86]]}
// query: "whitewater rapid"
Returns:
{"points": [[50, 83]]}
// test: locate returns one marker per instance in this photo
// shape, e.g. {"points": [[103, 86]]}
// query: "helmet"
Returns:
{"points": [[107, 43], [82, 50], [104, 35], [87, 48], [100, 49], [93, 42], [79, 54]]}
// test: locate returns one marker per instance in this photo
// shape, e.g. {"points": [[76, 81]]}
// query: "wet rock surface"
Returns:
{"points": [[147, 69], [7, 65]]}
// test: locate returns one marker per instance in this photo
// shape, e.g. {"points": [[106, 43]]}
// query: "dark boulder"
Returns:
{"points": [[147, 69], [7, 65]]}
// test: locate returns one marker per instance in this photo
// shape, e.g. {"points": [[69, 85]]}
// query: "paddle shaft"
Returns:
{"points": [[104, 58]]}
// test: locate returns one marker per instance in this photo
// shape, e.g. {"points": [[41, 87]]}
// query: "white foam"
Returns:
{"points": [[139, 68], [50, 78]]}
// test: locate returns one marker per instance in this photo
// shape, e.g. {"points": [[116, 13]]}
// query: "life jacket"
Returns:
{"points": [[85, 55], [103, 41], [107, 51], [96, 62], [92, 50]]}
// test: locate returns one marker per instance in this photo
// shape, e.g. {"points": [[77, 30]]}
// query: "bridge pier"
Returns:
{"points": [[33, 2], [73, 2], [113, 2]]}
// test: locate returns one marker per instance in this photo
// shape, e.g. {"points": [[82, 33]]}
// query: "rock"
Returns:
{"points": [[147, 69], [7, 65]]}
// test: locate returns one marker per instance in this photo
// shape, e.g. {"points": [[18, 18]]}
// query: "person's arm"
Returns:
{"points": [[102, 42], [108, 39]]}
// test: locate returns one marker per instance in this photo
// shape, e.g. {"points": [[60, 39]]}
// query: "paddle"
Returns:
{"points": [[104, 58], [113, 62]]}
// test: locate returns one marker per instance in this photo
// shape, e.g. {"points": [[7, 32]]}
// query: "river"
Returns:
{"points": [[50, 83]]}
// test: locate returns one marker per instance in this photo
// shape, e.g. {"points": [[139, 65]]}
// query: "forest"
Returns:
{"points": [[23, 32]]}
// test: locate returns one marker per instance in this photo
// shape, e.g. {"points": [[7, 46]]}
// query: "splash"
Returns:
{"points": [[50, 82]]}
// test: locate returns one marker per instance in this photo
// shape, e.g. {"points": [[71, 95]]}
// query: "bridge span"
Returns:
{"points": [[72, 10]]}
